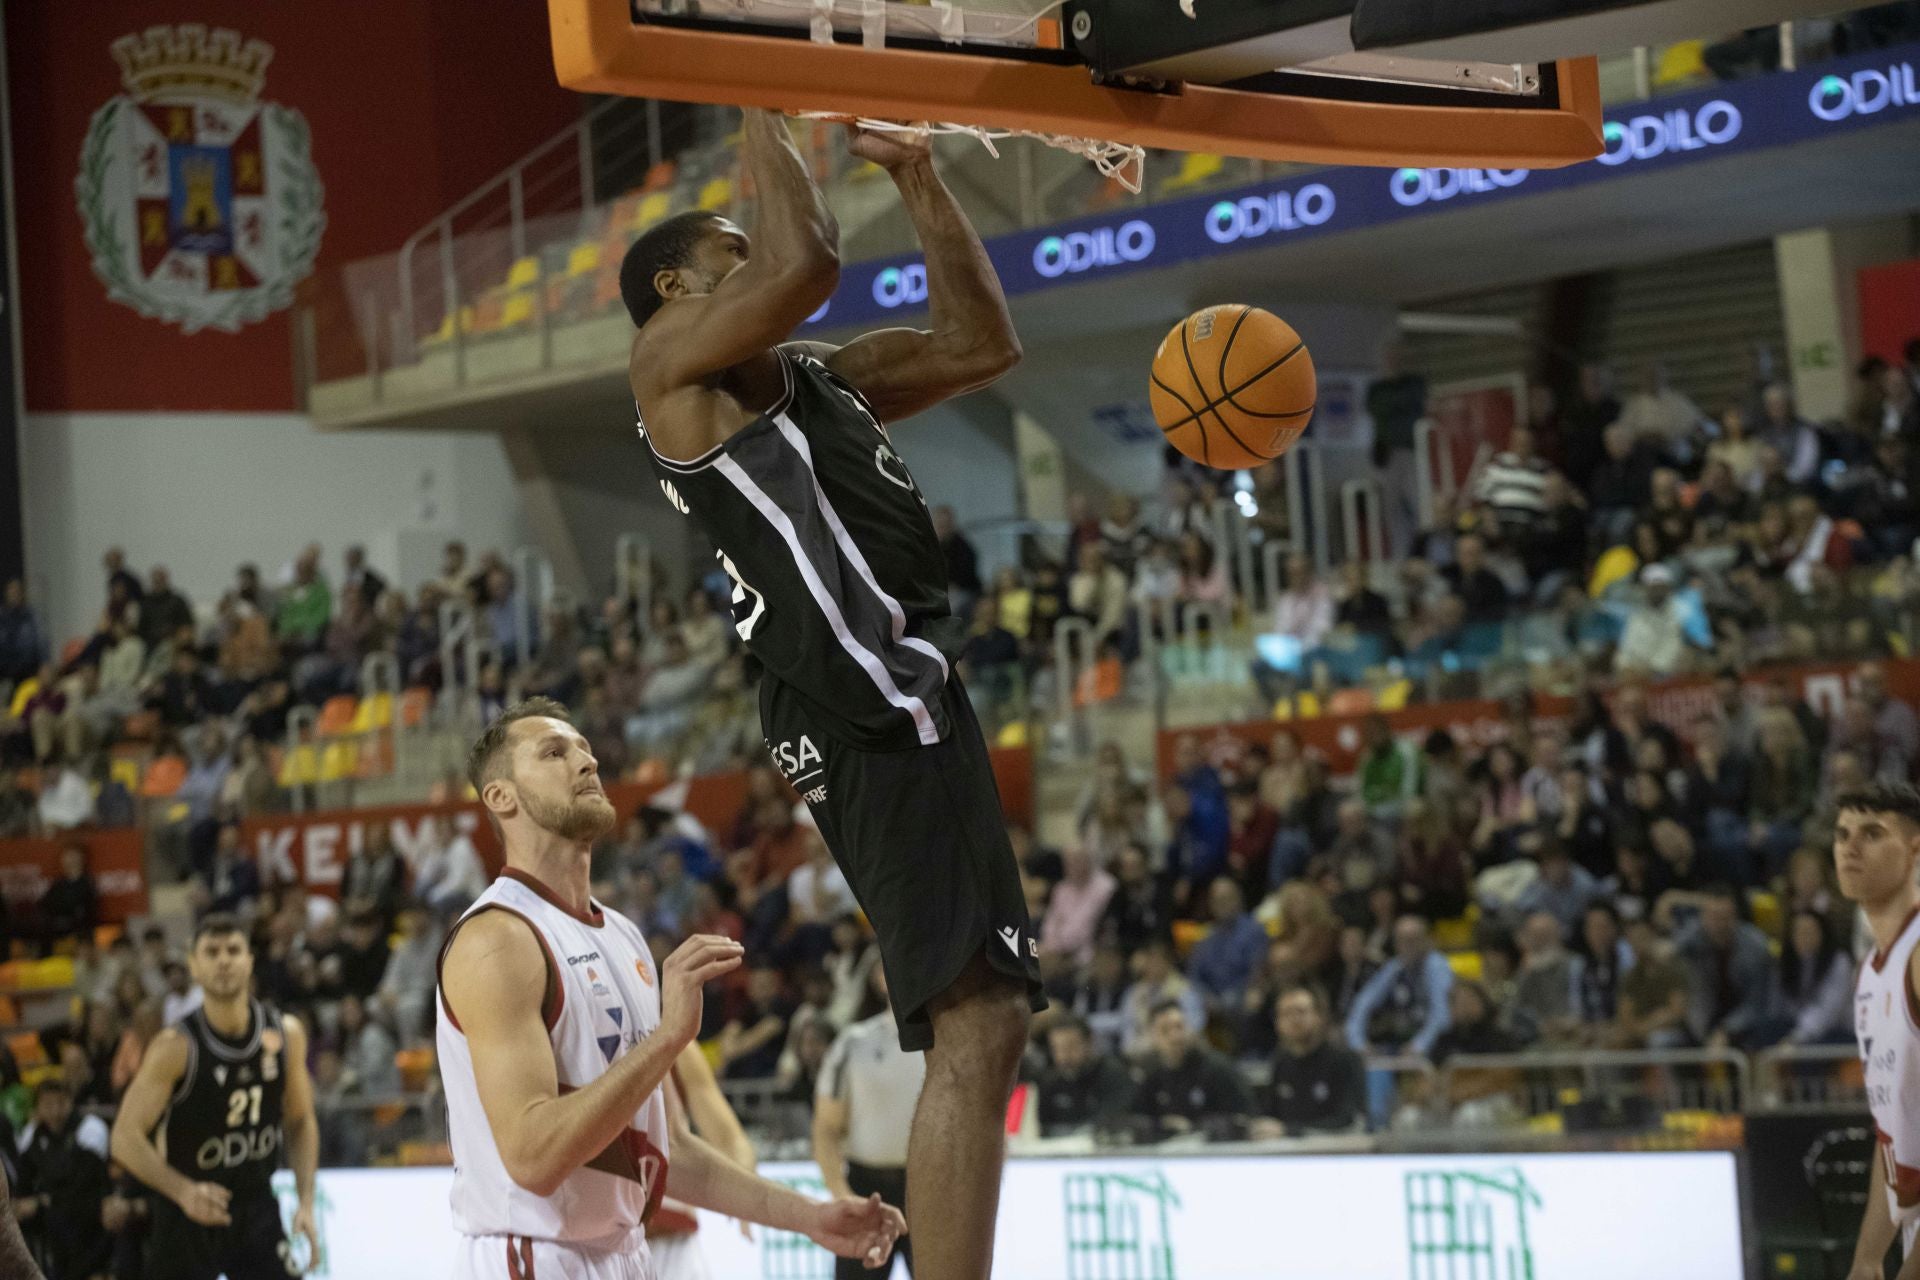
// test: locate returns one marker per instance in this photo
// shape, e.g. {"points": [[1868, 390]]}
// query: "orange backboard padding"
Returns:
{"points": [[597, 49]]}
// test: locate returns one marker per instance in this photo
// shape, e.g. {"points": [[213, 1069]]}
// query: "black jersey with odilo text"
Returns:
{"points": [[224, 1122], [839, 584]]}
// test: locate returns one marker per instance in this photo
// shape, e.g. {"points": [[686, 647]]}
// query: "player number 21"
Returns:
{"points": [[244, 1105]]}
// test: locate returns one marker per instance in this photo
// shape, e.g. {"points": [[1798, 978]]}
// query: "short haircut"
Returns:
{"points": [[218, 924], [1308, 990], [1900, 798], [1162, 1006], [483, 762], [665, 247]]}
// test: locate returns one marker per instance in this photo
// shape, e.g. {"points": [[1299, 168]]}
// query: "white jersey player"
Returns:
{"points": [[556, 1034], [1876, 852]]}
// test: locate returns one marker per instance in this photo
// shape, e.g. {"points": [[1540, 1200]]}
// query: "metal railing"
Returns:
{"points": [[511, 243], [1808, 1077]]}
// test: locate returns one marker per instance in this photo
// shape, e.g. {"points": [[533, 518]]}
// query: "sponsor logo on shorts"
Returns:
{"points": [[798, 759]]}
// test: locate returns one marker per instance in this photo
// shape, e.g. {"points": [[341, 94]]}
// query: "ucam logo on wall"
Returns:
{"points": [[1358, 1217], [201, 202]]}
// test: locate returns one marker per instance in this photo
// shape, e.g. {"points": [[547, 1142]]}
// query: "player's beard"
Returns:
{"points": [[583, 818]]}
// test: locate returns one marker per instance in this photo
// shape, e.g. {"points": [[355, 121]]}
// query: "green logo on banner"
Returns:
{"points": [[1117, 1226], [1469, 1226]]}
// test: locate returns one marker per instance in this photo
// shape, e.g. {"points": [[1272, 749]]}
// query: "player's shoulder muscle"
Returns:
{"points": [[494, 968]]}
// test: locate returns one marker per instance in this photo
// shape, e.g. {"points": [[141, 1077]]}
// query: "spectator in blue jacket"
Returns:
{"points": [[1226, 959], [1403, 1007]]}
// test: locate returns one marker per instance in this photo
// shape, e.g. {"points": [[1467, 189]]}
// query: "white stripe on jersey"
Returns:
{"points": [[929, 732], [851, 549]]}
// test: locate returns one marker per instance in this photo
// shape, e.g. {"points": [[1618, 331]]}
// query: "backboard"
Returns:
{"points": [[1277, 80]]}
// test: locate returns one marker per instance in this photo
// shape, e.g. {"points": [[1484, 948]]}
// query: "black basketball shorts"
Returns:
{"points": [[920, 837], [252, 1247]]}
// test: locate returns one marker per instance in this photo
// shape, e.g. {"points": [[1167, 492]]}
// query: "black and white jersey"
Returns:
{"points": [[224, 1122], [839, 585]]}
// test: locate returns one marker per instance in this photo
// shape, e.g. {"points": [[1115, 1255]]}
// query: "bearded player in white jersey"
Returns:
{"points": [[555, 1036], [1876, 852]]}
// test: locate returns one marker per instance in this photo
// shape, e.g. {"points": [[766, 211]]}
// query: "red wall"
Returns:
{"points": [[1889, 308], [411, 103]]}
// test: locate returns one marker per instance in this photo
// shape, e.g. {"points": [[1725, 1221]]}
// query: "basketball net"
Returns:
{"points": [[1122, 162]]}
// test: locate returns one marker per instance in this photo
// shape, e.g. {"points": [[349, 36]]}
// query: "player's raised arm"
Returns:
{"points": [[494, 981], [734, 299], [904, 371]]}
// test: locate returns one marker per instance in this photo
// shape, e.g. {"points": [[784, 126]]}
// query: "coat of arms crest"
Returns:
{"points": [[201, 203]]}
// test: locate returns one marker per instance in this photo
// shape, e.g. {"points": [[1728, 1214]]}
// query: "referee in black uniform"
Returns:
{"points": [[862, 1114], [779, 452]]}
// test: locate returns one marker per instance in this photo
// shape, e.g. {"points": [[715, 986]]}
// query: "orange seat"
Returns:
{"points": [[1350, 702], [336, 717], [416, 1066], [414, 705], [163, 777], [27, 1050]]}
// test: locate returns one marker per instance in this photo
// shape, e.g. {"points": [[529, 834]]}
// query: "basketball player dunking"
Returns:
{"points": [[555, 1036], [1876, 853], [227, 1088], [779, 452]]}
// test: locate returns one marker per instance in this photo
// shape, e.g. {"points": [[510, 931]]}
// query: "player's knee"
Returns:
{"points": [[982, 1038]]}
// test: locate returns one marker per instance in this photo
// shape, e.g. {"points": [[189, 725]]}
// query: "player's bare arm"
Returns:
{"points": [[140, 1111], [302, 1130], [707, 1108], [704, 366], [15, 1261], [829, 1137], [495, 985], [851, 1228], [902, 372]]}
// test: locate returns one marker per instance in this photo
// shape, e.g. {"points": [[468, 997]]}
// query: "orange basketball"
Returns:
{"points": [[1232, 386]]}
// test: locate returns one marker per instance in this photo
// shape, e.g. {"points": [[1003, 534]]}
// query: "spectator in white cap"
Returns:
{"points": [[1654, 641]]}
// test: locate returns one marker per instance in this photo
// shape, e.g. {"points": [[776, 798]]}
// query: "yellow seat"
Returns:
{"points": [[717, 194], [1465, 964], [584, 259], [518, 310], [339, 760], [1766, 912], [125, 772], [376, 712], [1453, 935], [1195, 168], [651, 210], [1681, 64], [524, 272], [301, 768], [1394, 696]]}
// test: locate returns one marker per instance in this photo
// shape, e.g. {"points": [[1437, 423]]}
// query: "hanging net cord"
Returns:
{"points": [[1122, 162]]}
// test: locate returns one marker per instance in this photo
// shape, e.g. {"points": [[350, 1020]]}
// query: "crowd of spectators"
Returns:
{"points": [[1637, 535], [203, 698], [1226, 948]]}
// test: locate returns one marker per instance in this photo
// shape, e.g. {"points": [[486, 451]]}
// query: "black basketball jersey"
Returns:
{"points": [[839, 584], [223, 1124]]}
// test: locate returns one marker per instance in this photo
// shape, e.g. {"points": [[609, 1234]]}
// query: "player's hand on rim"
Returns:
{"points": [[853, 1228], [206, 1204], [693, 964], [889, 148]]}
